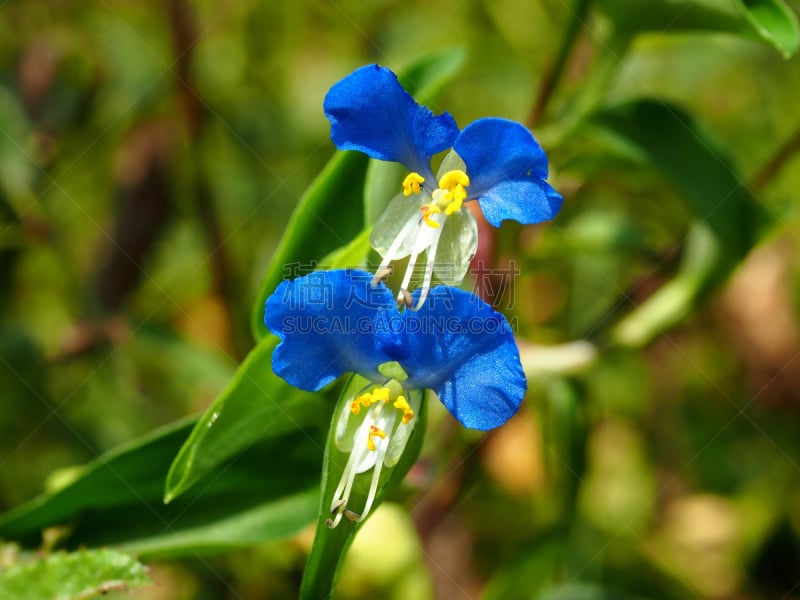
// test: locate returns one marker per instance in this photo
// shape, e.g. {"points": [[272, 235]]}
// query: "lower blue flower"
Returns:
{"points": [[333, 322]]}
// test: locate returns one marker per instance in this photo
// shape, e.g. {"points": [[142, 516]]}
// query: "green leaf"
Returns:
{"points": [[769, 21], [669, 141], [676, 298], [330, 545], [17, 166], [327, 216], [270, 491], [774, 22], [353, 254], [77, 576], [256, 405]]}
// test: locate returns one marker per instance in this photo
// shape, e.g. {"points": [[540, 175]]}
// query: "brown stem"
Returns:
{"points": [[769, 170], [184, 35]]}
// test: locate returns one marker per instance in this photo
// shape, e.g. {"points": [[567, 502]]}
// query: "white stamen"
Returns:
{"points": [[426, 282], [383, 445], [396, 243], [412, 260], [383, 430]]}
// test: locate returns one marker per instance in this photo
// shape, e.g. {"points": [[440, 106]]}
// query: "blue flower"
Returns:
{"points": [[335, 322], [494, 161], [456, 344]]}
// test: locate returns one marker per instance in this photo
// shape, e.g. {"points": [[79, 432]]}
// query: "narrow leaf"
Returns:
{"points": [[256, 405], [327, 216], [270, 491]]}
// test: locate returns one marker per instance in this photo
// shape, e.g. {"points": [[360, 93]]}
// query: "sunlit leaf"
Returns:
{"points": [[76, 576], [327, 216], [17, 163]]}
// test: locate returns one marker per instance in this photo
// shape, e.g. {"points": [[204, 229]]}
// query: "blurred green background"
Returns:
{"points": [[151, 154]]}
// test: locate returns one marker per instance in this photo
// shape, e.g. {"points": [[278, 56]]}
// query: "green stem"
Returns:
{"points": [[552, 78], [592, 94], [674, 301]]}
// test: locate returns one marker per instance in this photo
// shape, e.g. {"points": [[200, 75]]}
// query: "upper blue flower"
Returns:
{"points": [[494, 161], [335, 322]]}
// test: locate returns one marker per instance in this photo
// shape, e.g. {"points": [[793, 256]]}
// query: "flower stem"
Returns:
{"points": [[552, 78]]}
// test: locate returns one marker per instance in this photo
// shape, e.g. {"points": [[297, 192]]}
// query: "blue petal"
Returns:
{"points": [[507, 170], [330, 323], [370, 112], [460, 347]]}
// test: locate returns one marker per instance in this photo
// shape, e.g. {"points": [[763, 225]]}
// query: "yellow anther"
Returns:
{"points": [[451, 179], [363, 400], [427, 211], [458, 195], [454, 184], [380, 394], [373, 433], [368, 399], [412, 184], [402, 404]]}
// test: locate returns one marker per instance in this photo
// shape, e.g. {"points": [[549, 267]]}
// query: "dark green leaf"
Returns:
{"points": [[257, 404], [77, 576], [565, 432], [668, 140], [267, 492], [327, 216], [330, 545]]}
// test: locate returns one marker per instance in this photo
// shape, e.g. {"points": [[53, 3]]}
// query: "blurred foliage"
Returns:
{"points": [[151, 156]]}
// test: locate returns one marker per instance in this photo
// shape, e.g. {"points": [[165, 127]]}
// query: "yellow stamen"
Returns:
{"points": [[427, 211], [451, 179], [368, 399], [455, 184], [412, 184], [402, 404], [380, 394], [373, 433]]}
